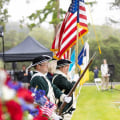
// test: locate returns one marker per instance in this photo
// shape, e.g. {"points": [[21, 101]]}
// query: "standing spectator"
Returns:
{"points": [[24, 77], [96, 71], [105, 75]]}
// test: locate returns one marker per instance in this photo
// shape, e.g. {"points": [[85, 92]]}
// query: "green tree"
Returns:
{"points": [[3, 11], [110, 51], [40, 16], [115, 5], [52, 8], [13, 38], [40, 35]]}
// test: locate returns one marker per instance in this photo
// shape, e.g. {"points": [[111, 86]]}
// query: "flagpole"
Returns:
{"points": [[76, 47], [76, 51]]}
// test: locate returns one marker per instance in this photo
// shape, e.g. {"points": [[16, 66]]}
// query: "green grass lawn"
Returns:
{"points": [[97, 105]]}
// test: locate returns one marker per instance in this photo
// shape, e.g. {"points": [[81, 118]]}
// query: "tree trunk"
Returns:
{"points": [[56, 26]]}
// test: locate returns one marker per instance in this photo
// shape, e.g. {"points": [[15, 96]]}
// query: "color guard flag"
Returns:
{"points": [[72, 60], [83, 60], [71, 72], [67, 34]]}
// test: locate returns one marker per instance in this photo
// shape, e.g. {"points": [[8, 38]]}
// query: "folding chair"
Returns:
{"points": [[98, 83]]}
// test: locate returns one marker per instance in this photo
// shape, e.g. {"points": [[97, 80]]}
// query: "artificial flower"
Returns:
{"points": [[1, 110], [14, 109], [25, 94], [7, 93]]}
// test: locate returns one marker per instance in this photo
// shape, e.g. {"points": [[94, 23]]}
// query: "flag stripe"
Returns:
{"points": [[71, 25], [69, 32], [67, 37], [72, 17], [82, 8], [83, 24], [66, 41], [68, 44], [83, 17], [57, 40], [81, 3], [83, 21]]}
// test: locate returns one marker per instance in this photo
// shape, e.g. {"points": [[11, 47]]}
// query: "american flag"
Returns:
{"points": [[66, 55], [67, 34], [48, 108]]}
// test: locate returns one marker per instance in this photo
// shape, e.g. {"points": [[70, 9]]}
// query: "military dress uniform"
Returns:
{"points": [[61, 81], [51, 91], [39, 79]]}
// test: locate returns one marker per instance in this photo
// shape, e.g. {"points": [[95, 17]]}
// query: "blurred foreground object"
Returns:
{"points": [[1, 64]]}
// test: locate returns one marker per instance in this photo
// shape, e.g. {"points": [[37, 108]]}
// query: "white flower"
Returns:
{"points": [[7, 93], [30, 117], [33, 94], [3, 77]]}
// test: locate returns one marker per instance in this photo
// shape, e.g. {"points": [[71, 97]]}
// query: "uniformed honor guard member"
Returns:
{"points": [[51, 68], [39, 79], [61, 81]]}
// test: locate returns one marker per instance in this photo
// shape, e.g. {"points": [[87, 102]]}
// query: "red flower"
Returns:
{"points": [[15, 110], [1, 110], [8, 78], [25, 94]]}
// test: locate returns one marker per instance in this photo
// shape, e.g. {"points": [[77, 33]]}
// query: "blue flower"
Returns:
{"points": [[15, 86], [28, 107], [39, 96]]}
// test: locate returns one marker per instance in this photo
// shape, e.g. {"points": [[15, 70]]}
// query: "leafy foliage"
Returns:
{"points": [[110, 51], [91, 76], [44, 36], [52, 8], [3, 11], [115, 5]]}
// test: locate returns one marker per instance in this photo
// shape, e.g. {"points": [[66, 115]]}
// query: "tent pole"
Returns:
{"points": [[3, 50]]}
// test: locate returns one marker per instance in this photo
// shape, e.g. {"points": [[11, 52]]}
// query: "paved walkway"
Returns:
{"points": [[91, 84]]}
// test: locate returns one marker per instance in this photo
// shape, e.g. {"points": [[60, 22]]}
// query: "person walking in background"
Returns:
{"points": [[96, 71], [105, 75]]}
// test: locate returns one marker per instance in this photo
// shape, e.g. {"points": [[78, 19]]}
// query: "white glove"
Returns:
{"points": [[67, 99], [56, 117]]}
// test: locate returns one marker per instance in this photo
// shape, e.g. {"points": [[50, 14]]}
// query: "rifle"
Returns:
{"points": [[75, 85]]}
